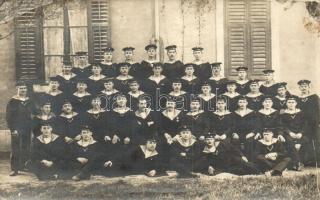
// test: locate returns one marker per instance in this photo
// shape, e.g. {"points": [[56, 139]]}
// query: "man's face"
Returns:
{"points": [[269, 76], [96, 69], [128, 55], [242, 103], [282, 91], [267, 136], [46, 108], [221, 105], [216, 70], [67, 108], [86, 134], [195, 105], [304, 87], [81, 87], [121, 101], [291, 104], [206, 89], [142, 104], [172, 53], [107, 56], [231, 87], [82, 60], [254, 87], [170, 104], [242, 74], [197, 54], [151, 145], [46, 130], [96, 102], [157, 70], [54, 85], [209, 141], [22, 90], [134, 86], [185, 134], [151, 52], [189, 70], [267, 103], [124, 70], [176, 86], [66, 69], [108, 85]]}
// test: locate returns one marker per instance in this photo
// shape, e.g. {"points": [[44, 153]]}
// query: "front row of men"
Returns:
{"points": [[52, 158]]}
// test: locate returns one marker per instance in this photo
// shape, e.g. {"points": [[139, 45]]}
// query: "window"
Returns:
{"points": [[47, 35], [248, 36]]}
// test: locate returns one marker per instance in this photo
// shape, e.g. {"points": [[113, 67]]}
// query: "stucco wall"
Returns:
{"points": [[298, 50]]}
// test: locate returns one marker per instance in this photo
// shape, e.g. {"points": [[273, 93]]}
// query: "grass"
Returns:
{"points": [[302, 187]]}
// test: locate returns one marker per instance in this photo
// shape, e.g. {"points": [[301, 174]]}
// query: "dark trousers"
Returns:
{"points": [[240, 167], [20, 149], [299, 155], [278, 165], [246, 146], [44, 172]]}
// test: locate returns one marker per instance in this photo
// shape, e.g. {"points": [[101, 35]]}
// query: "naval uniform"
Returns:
{"points": [[173, 70]]}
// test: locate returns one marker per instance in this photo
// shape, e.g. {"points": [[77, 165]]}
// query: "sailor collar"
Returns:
{"points": [[92, 112], [222, 113], [175, 114], [20, 98], [148, 154], [80, 143], [84, 94], [242, 82], [151, 61], [198, 62], [83, 68], [216, 78], [156, 79], [171, 62], [107, 63], [53, 138], [248, 111], [124, 78], [49, 116], [264, 111], [55, 93], [297, 110], [265, 84], [195, 113], [69, 77], [207, 98], [138, 114], [250, 95], [121, 111], [193, 77], [189, 144], [136, 95], [281, 98], [231, 95], [172, 93], [273, 141], [69, 116], [101, 76], [110, 92], [301, 96]]}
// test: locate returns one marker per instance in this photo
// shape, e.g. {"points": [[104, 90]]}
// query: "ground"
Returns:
{"points": [[293, 185]]}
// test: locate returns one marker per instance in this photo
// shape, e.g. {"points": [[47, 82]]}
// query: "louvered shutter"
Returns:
{"points": [[99, 31], [260, 35], [28, 44], [236, 35], [248, 36]]}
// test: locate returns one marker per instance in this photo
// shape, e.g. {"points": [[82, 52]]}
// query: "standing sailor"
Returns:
{"points": [[217, 81], [82, 67], [19, 112], [269, 86], [147, 65], [134, 66], [67, 79], [173, 68], [243, 81], [202, 69], [109, 69]]}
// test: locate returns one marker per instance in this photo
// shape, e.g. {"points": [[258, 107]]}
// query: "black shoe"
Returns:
{"points": [[13, 173]]}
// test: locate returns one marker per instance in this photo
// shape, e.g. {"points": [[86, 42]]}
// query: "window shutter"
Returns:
{"points": [[236, 35], [28, 44], [99, 30], [260, 35], [248, 36]]}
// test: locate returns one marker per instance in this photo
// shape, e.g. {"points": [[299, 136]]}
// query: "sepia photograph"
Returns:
{"points": [[159, 99]]}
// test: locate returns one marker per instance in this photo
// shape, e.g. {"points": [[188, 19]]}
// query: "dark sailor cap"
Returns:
{"points": [[197, 49], [128, 49], [171, 47], [149, 46], [242, 68], [304, 81]]}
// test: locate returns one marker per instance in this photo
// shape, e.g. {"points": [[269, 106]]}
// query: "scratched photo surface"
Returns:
{"points": [[159, 99]]}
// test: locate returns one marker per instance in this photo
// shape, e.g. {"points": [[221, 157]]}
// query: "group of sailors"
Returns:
{"points": [[151, 117]]}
